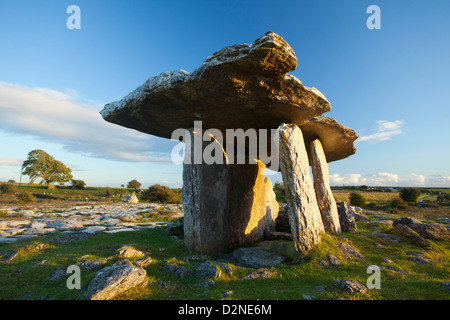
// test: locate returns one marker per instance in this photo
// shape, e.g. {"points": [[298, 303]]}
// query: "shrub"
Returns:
{"points": [[8, 188], [398, 204], [12, 181], [159, 193], [78, 184], [357, 199], [108, 192], [26, 197], [410, 194]]}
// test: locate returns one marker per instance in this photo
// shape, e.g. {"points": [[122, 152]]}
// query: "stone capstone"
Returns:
{"points": [[241, 86]]}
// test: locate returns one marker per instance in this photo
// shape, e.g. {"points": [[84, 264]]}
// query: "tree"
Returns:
{"points": [[134, 184], [410, 194], [364, 188], [40, 164], [78, 184], [357, 199], [159, 193]]}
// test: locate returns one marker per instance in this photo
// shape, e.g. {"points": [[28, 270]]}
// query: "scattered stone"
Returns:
{"points": [[58, 275], [387, 236], [205, 284], [387, 260], [72, 236], [346, 217], [9, 256], [361, 218], [42, 263], [207, 270], [131, 199], [144, 262], [116, 279], [419, 260], [92, 264], [394, 269], [446, 285], [320, 288], [228, 293], [179, 271], [308, 297], [257, 258], [260, 274], [352, 286], [349, 251], [129, 252], [333, 260]]}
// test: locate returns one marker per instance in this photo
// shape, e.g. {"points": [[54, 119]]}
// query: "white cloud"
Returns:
{"points": [[57, 117], [385, 130], [390, 179]]}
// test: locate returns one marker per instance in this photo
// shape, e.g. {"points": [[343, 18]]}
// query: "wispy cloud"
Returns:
{"points": [[390, 179], [4, 161], [385, 130], [60, 117]]}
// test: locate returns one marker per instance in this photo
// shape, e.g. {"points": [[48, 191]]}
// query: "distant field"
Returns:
{"points": [[370, 196]]}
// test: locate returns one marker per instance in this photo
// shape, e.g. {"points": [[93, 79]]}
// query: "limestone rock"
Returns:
{"points": [[116, 279], [225, 205], [408, 232], [346, 217], [352, 286], [207, 270], [260, 274], [257, 258], [324, 196], [129, 252], [179, 271], [431, 231], [132, 199], [304, 214], [241, 86]]}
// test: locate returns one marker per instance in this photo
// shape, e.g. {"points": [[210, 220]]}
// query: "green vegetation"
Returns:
{"points": [[357, 199], [162, 194], [410, 195], [23, 277]]}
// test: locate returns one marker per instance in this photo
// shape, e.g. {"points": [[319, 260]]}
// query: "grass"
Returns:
{"points": [[290, 281]]}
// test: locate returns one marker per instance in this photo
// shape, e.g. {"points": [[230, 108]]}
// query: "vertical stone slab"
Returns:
{"points": [[304, 215], [325, 199]]}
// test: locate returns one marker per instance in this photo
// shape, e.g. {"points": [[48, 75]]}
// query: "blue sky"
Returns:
{"points": [[391, 85]]}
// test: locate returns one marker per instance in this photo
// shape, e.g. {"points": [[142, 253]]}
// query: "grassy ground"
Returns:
{"points": [[23, 278]]}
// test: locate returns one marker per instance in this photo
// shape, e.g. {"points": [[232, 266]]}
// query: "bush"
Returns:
{"points": [[159, 193], [410, 194], [26, 197], [8, 188], [78, 184], [357, 199], [398, 204], [108, 192]]}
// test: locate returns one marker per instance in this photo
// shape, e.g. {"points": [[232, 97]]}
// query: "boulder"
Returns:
{"points": [[346, 217], [116, 279], [433, 231], [132, 199], [179, 271], [304, 214], [352, 286], [129, 252], [207, 270]]}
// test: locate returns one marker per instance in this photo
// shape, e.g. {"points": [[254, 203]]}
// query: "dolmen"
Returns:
{"points": [[244, 93]]}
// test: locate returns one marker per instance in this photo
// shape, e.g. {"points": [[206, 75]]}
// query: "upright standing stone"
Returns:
{"points": [[325, 198], [304, 215], [225, 205]]}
